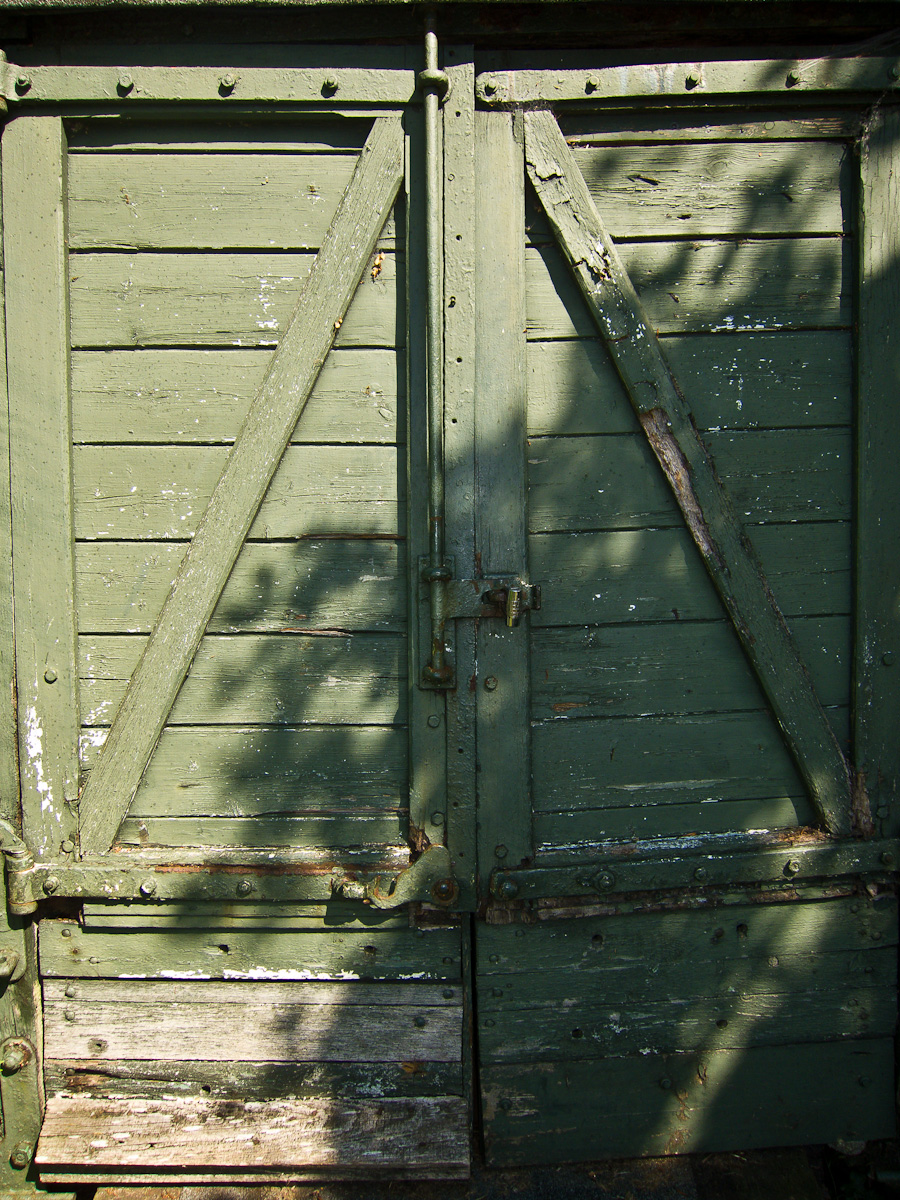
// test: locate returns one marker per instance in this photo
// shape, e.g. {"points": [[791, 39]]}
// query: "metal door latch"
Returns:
{"points": [[428, 880]]}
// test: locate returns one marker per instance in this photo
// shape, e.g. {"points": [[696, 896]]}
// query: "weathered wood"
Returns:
{"points": [[656, 574], [9, 749], [390, 953], [704, 124], [876, 687], [504, 817], [40, 445], [319, 134], [216, 770], [203, 396], [632, 670], [155, 492], [331, 832], [698, 1102], [244, 914], [591, 831], [320, 311], [398, 997], [686, 463], [277, 679], [423, 1135], [739, 381], [166, 299], [328, 586], [706, 287]]}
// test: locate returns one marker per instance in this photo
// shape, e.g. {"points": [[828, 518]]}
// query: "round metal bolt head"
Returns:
{"points": [[700, 874], [592, 84], [434, 721], [15, 1055], [665, 1083], [69, 1014], [67, 846], [444, 891], [420, 1022], [792, 79], [887, 858], [894, 72], [124, 84], [792, 866], [330, 86], [500, 851], [509, 889], [489, 1023], [148, 887], [491, 683], [71, 990], [50, 676], [51, 885], [437, 818], [244, 888], [888, 658], [489, 87], [692, 81], [67, 933], [23, 83], [227, 83], [21, 1156], [506, 1104], [605, 881]]}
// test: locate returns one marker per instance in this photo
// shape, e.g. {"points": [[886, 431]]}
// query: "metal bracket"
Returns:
{"points": [[429, 880], [19, 863]]}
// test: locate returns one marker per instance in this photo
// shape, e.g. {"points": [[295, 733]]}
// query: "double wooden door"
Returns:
{"points": [[306, 910]]}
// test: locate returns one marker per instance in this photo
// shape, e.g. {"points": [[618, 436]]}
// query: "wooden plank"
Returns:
{"points": [[157, 492], [245, 914], [167, 299], [144, 993], [40, 442], [326, 586], [656, 574], [9, 750], [706, 287], [685, 461], [321, 133], [619, 762], [275, 679], [714, 1101], [391, 953], [209, 770], [735, 381], [425, 1135], [504, 815], [332, 832], [706, 124], [320, 311], [203, 396], [632, 670], [877, 677]]}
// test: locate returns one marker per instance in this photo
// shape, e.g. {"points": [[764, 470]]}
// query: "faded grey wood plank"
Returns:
{"points": [[204, 770], [657, 574], [204, 396], [258, 995], [334, 585], [424, 1134], [70, 952], [157, 492], [876, 686], [734, 381], [706, 286], [320, 311], [285, 679], [40, 444], [9, 750], [504, 814], [685, 461], [216, 299], [271, 1030], [706, 124]]}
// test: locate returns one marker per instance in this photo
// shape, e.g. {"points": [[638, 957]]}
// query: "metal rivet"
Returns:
{"points": [[21, 1156], [489, 1023], [882, 812], [434, 721], [50, 676], [23, 83], [67, 846], [94, 960], [665, 1083], [15, 1056], [509, 889], [592, 84], [876, 935], [490, 684], [692, 81], [497, 993], [448, 993], [330, 86], [506, 1104], [420, 1022], [700, 874], [67, 933], [69, 1014], [495, 958], [500, 851], [244, 888], [792, 866], [51, 884], [437, 818], [148, 887], [489, 87], [773, 960], [887, 858], [792, 79], [605, 881], [448, 960], [71, 990], [444, 891], [227, 84], [125, 84], [888, 658]]}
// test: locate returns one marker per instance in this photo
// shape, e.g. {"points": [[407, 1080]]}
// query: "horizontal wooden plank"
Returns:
{"points": [[158, 492], [145, 992], [204, 201], [704, 1101], [733, 381], [693, 287], [332, 585], [705, 125], [260, 679], [570, 948], [271, 1031], [313, 134], [614, 482], [709, 190], [222, 770], [211, 299], [425, 1134], [645, 761], [670, 669], [242, 914], [594, 1030], [69, 951], [656, 574], [333, 832], [590, 832], [254, 1081], [203, 396]]}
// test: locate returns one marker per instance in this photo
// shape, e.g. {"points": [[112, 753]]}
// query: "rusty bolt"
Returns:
{"points": [[792, 866], [148, 887], [23, 83], [16, 1054], [21, 1156], [50, 676], [244, 888], [51, 884], [445, 891], [792, 79], [491, 683]]}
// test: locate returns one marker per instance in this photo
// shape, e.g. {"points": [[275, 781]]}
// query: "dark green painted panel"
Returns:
{"points": [[701, 1102], [320, 831]]}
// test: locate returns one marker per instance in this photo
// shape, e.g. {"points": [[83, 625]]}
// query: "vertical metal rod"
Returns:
{"points": [[434, 82]]}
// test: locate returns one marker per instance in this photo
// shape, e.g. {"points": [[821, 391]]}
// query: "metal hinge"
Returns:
{"points": [[429, 880]]}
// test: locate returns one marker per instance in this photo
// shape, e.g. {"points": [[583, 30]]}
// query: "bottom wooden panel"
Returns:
{"points": [[193, 1140], [687, 1103]]}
